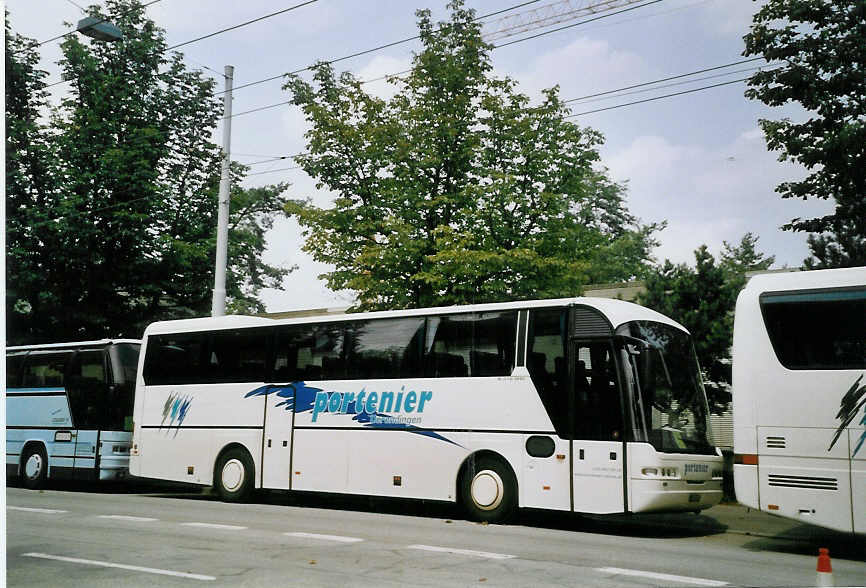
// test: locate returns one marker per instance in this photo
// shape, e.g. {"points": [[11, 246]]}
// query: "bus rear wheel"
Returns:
{"points": [[34, 467], [234, 475], [488, 489]]}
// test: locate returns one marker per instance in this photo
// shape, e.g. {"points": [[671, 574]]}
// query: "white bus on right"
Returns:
{"points": [[799, 395]]}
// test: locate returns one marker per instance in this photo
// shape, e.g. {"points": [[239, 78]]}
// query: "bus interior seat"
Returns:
{"points": [[486, 364], [447, 365]]}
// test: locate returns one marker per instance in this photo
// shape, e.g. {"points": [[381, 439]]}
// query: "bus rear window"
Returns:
{"points": [[823, 330]]}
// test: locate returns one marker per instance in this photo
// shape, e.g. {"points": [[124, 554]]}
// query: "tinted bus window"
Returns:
{"points": [[309, 352], [387, 348], [127, 356], [493, 344], [817, 330], [449, 345], [45, 370], [14, 361], [174, 359], [476, 344], [237, 356], [87, 386], [546, 363]]}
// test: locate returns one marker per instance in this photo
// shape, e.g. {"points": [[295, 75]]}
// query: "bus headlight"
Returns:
{"points": [[666, 472]]}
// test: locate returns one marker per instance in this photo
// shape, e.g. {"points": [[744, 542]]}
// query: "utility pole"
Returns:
{"points": [[219, 288]]}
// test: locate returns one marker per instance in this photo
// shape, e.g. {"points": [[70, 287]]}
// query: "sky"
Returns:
{"points": [[698, 161]]}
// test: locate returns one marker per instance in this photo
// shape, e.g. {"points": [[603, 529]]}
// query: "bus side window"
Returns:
{"points": [[493, 344], [174, 359], [14, 361], [87, 387], [309, 353], [449, 345], [597, 411], [238, 356], [45, 370], [384, 348], [546, 364]]}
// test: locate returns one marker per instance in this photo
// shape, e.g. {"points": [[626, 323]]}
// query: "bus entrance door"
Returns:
{"points": [[277, 450], [597, 448]]}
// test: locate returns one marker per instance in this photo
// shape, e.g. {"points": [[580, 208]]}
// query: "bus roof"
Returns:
{"points": [[807, 280], [617, 311], [97, 343]]}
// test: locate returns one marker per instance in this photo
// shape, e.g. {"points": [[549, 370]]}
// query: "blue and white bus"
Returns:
{"points": [[584, 405], [69, 410]]}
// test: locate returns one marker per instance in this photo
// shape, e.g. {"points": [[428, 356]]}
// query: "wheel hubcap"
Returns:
{"points": [[487, 490], [233, 475], [33, 467]]}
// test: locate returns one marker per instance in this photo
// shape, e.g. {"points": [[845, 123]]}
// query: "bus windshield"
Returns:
{"points": [[669, 404]]}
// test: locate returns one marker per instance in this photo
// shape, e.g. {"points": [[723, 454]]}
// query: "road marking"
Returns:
{"points": [[214, 526], [339, 538], [107, 564], [470, 552], [664, 577], [127, 518], [42, 510]]}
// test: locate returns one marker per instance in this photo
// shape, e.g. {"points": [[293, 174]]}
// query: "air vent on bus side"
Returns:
{"points": [[776, 442], [803, 482], [589, 322]]}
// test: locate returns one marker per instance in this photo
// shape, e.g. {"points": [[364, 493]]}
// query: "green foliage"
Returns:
{"points": [[821, 44], [119, 229], [456, 190], [702, 299]]}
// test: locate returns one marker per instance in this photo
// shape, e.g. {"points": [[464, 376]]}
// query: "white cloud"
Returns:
{"points": [[583, 66], [729, 17], [379, 66], [711, 195]]}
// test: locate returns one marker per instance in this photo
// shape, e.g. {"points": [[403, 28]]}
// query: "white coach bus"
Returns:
{"points": [[799, 388], [587, 405], [69, 410]]}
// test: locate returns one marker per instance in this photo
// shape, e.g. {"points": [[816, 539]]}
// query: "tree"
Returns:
{"points": [[456, 190], [126, 224], [30, 179], [702, 299], [821, 45]]}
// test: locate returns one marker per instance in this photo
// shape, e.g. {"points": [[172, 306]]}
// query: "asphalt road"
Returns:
{"points": [[120, 536]]}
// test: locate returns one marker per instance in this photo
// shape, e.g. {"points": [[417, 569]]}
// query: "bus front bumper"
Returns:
{"points": [[674, 495]]}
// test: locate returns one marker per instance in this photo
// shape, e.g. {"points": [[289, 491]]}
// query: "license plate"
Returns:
{"points": [[694, 497]]}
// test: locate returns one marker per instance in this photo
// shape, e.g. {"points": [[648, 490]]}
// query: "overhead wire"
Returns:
{"points": [[209, 35], [367, 51], [671, 85], [398, 74], [558, 29], [243, 24], [669, 78], [658, 97]]}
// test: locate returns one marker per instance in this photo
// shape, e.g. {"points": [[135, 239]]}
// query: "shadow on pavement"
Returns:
{"points": [[662, 526], [806, 539], [122, 487], [675, 525]]}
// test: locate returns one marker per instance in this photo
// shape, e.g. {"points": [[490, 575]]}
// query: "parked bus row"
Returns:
{"points": [[584, 405]]}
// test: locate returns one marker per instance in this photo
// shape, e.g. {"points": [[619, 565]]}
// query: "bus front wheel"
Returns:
{"points": [[234, 475], [34, 467], [488, 489]]}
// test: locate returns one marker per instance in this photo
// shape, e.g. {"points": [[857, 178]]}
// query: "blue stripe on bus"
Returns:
{"points": [[45, 389]]}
